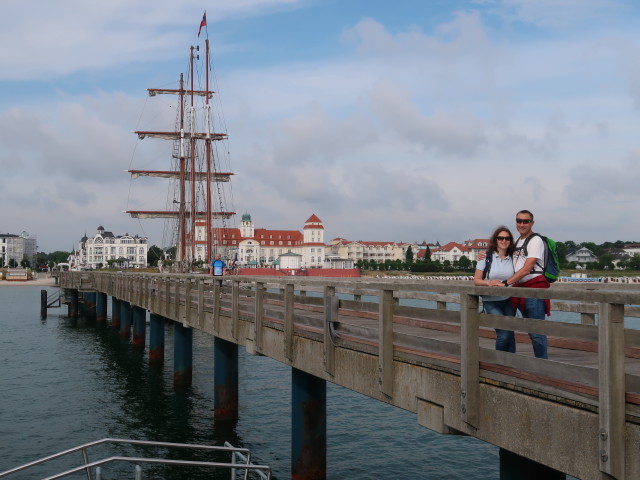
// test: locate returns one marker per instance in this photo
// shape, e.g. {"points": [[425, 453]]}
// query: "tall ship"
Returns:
{"points": [[196, 211]]}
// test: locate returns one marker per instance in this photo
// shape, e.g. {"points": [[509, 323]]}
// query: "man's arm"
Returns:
{"points": [[524, 271]]}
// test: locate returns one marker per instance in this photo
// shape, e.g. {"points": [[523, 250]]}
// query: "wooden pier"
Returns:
{"points": [[424, 346]]}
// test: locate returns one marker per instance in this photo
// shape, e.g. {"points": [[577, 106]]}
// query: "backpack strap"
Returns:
{"points": [[540, 261], [487, 264]]}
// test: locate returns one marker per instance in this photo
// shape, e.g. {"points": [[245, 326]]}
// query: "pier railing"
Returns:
{"points": [[594, 359]]}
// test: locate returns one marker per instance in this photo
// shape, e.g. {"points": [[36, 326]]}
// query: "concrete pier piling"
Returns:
{"points": [[156, 338], [308, 426], [89, 304], [43, 304], [115, 313], [225, 380], [182, 355], [101, 307], [139, 327], [125, 319]]}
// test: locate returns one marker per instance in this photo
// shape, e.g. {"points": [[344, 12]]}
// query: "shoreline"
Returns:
{"points": [[37, 282]]}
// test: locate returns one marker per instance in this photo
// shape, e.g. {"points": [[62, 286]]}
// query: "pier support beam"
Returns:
{"points": [[139, 327], [115, 313], [72, 296], [182, 355], [101, 307], [156, 338], [308, 426], [515, 467], [125, 319], [225, 362], [43, 304], [89, 308]]}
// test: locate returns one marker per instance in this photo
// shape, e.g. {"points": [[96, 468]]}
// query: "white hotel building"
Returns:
{"points": [[94, 252]]}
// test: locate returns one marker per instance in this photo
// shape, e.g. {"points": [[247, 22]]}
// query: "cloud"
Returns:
{"points": [[550, 13], [597, 183]]}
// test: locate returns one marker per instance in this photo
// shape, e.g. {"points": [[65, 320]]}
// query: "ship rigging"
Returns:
{"points": [[197, 196]]}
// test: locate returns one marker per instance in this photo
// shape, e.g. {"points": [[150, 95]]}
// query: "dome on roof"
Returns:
{"points": [[246, 217]]}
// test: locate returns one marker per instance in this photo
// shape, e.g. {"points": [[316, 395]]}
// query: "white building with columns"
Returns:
{"points": [[127, 251]]}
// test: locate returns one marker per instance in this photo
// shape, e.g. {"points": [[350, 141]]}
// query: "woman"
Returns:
{"points": [[501, 248]]}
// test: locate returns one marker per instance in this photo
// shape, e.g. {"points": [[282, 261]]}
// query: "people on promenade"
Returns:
{"points": [[528, 258], [217, 268], [492, 271]]}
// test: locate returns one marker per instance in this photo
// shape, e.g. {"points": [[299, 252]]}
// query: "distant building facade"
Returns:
{"points": [[368, 250], [581, 255], [251, 246], [126, 251], [18, 247]]}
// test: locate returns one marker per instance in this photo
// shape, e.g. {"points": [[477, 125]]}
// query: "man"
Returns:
{"points": [[528, 259], [217, 268]]}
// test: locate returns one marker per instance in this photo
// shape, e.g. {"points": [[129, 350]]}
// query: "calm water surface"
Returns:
{"points": [[64, 383]]}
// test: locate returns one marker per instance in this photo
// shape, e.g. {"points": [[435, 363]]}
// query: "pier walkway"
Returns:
{"points": [[425, 346]]}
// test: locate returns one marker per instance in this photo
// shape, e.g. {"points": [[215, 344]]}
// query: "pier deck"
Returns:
{"points": [[425, 347]]}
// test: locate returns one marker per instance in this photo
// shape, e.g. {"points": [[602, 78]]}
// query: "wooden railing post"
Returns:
{"points": [[235, 312], [201, 303], [469, 359], [217, 296], [259, 310], [385, 342], [167, 296], [176, 298], [288, 321], [187, 302], [330, 316], [611, 412]]}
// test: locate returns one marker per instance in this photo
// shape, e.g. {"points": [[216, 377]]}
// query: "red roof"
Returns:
{"points": [[313, 222]]}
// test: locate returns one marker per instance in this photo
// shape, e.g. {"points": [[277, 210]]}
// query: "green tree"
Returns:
{"points": [[409, 255], [562, 253], [464, 263], [596, 249], [605, 262], [13, 263], [634, 262], [25, 263], [154, 254], [58, 256]]}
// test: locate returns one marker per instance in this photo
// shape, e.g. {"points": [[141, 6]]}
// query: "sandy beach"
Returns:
{"points": [[41, 281]]}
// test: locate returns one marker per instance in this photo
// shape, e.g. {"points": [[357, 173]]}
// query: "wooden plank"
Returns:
{"points": [[235, 302], [385, 342], [556, 329], [330, 315], [611, 411], [470, 359], [217, 298], [201, 304], [288, 321], [187, 303], [258, 315]]}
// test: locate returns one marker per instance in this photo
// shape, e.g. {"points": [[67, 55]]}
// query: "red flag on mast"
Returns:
{"points": [[203, 23]]}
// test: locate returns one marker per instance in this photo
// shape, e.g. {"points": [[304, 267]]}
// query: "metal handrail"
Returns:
{"points": [[263, 470]]}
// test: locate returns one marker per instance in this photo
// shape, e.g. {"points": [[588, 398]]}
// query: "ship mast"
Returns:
{"points": [[193, 181]]}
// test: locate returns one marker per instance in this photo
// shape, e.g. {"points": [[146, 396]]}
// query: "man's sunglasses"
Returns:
{"points": [[523, 220]]}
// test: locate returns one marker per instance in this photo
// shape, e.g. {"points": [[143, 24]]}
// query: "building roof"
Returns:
{"points": [[450, 246], [313, 222]]}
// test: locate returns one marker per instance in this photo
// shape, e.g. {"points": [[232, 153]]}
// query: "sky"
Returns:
{"points": [[407, 121]]}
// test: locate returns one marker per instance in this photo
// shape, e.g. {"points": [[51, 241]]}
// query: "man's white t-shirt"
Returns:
{"points": [[535, 248]]}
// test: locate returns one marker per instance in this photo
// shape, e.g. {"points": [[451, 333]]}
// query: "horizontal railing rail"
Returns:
{"points": [[89, 466]]}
